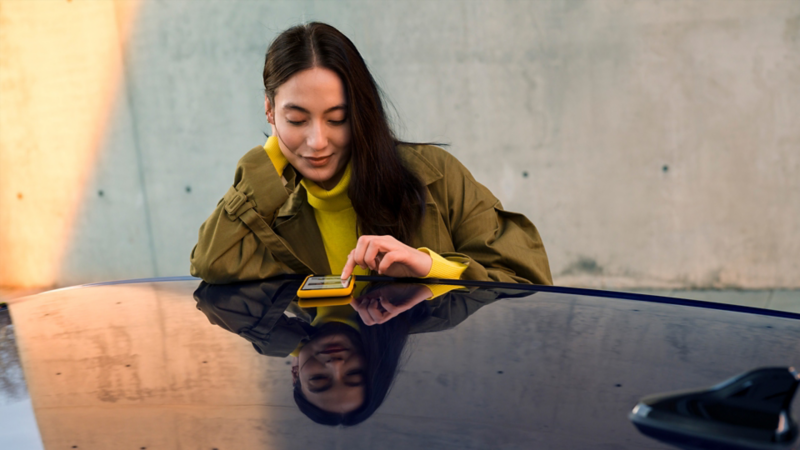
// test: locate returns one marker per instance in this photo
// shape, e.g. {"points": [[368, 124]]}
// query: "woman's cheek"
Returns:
{"points": [[292, 141], [343, 139]]}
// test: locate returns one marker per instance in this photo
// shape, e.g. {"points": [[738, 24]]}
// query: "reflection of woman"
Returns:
{"points": [[333, 189], [344, 367]]}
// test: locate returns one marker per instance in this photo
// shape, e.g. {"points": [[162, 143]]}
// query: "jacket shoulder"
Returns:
{"points": [[255, 168], [255, 157], [429, 162], [430, 154]]}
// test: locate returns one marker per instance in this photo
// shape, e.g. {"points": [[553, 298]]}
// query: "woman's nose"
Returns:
{"points": [[317, 140]]}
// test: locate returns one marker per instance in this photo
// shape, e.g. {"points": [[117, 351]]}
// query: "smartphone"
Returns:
{"points": [[315, 286]]}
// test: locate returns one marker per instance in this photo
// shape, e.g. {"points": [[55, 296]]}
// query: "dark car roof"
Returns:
{"points": [[135, 365]]}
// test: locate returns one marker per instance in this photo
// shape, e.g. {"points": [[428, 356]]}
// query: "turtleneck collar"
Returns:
{"points": [[334, 200]]}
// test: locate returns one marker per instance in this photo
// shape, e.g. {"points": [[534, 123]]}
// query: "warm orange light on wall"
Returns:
{"points": [[60, 70]]}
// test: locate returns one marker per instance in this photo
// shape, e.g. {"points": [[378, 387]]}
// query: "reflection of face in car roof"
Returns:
{"points": [[330, 370]]}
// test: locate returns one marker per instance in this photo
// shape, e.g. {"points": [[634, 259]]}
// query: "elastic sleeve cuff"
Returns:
{"points": [[273, 149], [443, 268]]}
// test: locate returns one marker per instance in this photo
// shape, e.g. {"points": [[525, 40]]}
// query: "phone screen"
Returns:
{"points": [[326, 282]]}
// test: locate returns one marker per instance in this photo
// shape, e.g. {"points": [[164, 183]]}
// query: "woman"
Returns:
{"points": [[333, 190]]}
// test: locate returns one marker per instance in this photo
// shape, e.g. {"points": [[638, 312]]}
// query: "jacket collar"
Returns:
{"points": [[427, 172]]}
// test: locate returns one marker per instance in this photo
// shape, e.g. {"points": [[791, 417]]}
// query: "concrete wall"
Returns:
{"points": [[654, 144]]}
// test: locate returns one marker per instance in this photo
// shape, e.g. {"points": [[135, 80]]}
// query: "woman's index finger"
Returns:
{"points": [[347, 270]]}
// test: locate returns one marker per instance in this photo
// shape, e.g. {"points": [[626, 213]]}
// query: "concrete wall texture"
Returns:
{"points": [[653, 143]]}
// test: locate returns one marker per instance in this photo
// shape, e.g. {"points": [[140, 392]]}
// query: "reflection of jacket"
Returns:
{"points": [[255, 311], [264, 226]]}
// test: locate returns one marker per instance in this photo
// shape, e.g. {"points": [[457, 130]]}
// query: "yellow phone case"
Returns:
{"points": [[334, 292]]}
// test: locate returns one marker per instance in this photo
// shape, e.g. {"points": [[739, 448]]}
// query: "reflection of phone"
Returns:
{"points": [[327, 301], [325, 286]]}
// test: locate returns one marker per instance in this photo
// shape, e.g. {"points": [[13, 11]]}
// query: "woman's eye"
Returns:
{"points": [[338, 122], [295, 122], [318, 377]]}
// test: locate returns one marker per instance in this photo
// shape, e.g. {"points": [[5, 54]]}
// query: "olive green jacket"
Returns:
{"points": [[264, 226]]}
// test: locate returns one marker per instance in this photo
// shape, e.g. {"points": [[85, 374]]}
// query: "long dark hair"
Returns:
{"points": [[383, 347], [387, 197]]}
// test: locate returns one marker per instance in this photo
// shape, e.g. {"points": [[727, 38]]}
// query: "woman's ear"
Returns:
{"points": [[268, 110], [295, 370]]}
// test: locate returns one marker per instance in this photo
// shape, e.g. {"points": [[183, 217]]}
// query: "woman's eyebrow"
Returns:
{"points": [[303, 110], [336, 108]]}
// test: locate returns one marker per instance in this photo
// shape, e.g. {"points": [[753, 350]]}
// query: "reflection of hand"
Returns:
{"points": [[387, 256], [387, 302]]}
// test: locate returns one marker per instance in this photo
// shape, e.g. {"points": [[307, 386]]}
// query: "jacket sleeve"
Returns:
{"points": [[228, 248], [497, 245]]}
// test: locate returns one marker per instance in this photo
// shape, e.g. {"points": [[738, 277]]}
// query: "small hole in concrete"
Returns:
{"points": [[100, 193], [500, 372], [188, 189], [617, 385], [525, 174], [288, 363], [665, 169]]}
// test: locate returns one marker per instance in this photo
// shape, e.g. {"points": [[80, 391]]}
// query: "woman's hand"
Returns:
{"points": [[387, 256], [387, 302]]}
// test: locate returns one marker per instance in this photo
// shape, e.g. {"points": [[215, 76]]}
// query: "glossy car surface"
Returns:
{"points": [[137, 365]]}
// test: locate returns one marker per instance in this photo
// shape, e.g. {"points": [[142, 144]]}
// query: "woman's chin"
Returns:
{"points": [[319, 177]]}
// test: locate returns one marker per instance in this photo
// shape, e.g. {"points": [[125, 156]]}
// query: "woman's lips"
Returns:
{"points": [[318, 161]]}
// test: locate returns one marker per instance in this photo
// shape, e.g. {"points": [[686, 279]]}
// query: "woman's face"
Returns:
{"points": [[310, 119], [330, 371]]}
